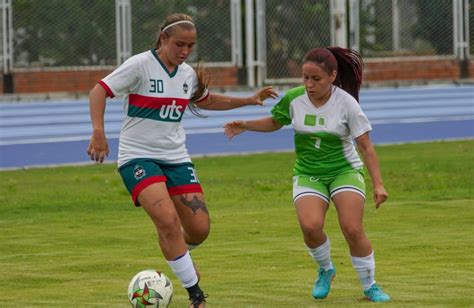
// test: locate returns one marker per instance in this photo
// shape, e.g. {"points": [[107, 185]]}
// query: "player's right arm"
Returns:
{"points": [[98, 147], [267, 124]]}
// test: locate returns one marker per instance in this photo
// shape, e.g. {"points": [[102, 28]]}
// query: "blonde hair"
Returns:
{"points": [[175, 18]]}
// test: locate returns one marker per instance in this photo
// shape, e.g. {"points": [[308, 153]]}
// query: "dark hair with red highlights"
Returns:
{"points": [[348, 64]]}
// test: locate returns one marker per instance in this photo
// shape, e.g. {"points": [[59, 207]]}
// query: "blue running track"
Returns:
{"points": [[43, 133]]}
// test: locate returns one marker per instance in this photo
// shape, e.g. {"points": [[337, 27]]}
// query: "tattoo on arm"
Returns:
{"points": [[194, 204]]}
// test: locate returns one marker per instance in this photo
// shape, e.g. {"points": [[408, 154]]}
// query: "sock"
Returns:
{"points": [[322, 255], [194, 291], [183, 269], [365, 268]]}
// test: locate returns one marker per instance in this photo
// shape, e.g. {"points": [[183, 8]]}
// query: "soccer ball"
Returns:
{"points": [[150, 288]]}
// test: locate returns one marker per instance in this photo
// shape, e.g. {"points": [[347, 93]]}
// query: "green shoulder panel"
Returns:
{"points": [[281, 111]]}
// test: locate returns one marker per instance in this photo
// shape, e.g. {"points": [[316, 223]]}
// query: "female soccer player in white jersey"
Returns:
{"points": [[326, 117], [157, 87]]}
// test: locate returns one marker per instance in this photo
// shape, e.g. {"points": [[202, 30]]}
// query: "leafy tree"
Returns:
{"points": [[375, 27], [212, 19], [64, 33], [435, 24], [425, 27], [293, 28]]}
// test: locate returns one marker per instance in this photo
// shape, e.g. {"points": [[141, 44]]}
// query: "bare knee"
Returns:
{"points": [[166, 219], [197, 232], [311, 229], [202, 232], [353, 234], [169, 227]]}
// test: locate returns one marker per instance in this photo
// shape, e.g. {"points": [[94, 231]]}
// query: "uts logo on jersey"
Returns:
{"points": [[166, 109], [139, 172], [185, 88], [172, 112]]}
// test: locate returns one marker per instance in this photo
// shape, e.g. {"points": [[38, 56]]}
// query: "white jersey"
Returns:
{"points": [[323, 136], [154, 103]]}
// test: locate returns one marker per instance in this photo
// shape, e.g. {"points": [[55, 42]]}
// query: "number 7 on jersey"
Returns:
{"points": [[317, 142]]}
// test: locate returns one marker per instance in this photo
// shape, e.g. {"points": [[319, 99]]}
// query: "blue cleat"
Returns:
{"points": [[376, 294], [323, 285]]}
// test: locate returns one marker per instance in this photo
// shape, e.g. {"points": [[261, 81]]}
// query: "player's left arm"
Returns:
{"points": [[366, 148], [224, 102]]}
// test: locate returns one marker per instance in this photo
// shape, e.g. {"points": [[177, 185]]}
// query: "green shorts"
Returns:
{"points": [[138, 174], [326, 187]]}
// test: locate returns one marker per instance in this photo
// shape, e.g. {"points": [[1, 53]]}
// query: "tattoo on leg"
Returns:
{"points": [[195, 204]]}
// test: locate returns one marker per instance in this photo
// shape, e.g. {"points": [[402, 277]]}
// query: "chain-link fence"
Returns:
{"points": [[212, 20], [470, 19], [56, 33], [397, 29], [59, 33], [84, 33], [291, 30], [407, 28]]}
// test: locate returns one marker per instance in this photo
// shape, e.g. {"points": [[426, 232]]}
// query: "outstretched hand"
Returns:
{"points": [[263, 94], [380, 196], [234, 128]]}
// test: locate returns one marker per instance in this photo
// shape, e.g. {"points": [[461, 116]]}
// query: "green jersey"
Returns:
{"points": [[323, 136]]}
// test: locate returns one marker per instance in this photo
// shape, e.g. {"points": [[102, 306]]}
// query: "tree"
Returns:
{"points": [[63, 33]]}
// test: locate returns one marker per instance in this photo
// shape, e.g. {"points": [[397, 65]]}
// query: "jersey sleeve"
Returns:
{"points": [[205, 93], [357, 121], [281, 111], [122, 79]]}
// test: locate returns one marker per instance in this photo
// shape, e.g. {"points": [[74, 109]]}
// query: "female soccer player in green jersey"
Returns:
{"points": [[326, 118], [157, 86]]}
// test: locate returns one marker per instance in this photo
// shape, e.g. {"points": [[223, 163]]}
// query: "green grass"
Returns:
{"points": [[70, 236]]}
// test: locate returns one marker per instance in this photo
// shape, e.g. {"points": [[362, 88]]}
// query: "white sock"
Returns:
{"points": [[322, 255], [183, 269], [365, 268]]}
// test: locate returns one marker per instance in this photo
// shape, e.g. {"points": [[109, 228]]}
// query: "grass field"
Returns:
{"points": [[70, 237]]}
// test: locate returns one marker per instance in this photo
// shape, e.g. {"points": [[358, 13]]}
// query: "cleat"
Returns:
{"points": [[198, 300], [376, 294], [323, 285]]}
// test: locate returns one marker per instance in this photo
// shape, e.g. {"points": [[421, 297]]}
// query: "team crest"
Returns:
{"points": [[322, 121], [185, 88], [139, 172]]}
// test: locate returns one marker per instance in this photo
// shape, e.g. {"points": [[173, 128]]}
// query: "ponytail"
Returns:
{"points": [[349, 70], [203, 84]]}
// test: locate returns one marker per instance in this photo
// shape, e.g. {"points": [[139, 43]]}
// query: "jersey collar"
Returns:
{"points": [[171, 74]]}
